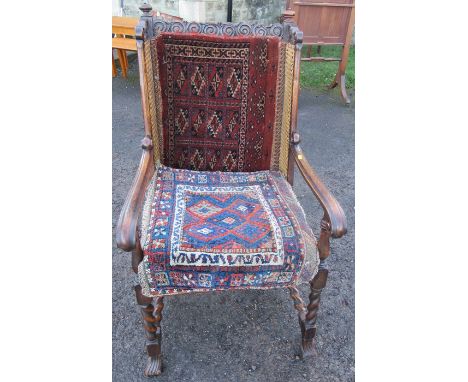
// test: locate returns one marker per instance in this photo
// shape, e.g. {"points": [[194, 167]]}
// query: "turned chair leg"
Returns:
{"points": [[151, 312], [300, 307], [309, 325], [308, 315]]}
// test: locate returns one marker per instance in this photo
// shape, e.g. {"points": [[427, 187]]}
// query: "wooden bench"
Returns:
{"points": [[123, 28]]}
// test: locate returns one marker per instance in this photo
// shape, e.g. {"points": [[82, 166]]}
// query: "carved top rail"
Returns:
{"points": [[150, 26]]}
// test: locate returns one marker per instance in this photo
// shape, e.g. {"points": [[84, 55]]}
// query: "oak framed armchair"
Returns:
{"points": [[211, 207]]}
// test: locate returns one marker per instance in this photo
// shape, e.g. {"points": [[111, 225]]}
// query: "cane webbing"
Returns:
{"points": [[286, 125], [154, 100], [276, 145]]}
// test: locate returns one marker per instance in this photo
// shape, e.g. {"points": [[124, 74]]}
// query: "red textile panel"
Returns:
{"points": [[218, 100]]}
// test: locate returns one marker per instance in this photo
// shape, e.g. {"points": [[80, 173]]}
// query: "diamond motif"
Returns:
{"points": [[229, 220], [234, 83], [215, 83], [198, 80], [204, 209], [181, 121], [244, 207], [226, 219], [205, 231], [229, 162], [196, 161], [199, 120], [250, 232], [180, 81], [216, 123]]}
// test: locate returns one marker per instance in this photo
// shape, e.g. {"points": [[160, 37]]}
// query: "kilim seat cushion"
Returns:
{"points": [[203, 231]]}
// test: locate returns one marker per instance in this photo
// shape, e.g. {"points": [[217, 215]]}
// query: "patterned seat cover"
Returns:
{"points": [[203, 231]]}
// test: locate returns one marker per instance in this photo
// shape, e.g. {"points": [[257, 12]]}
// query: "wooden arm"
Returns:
{"points": [[126, 235], [333, 213]]}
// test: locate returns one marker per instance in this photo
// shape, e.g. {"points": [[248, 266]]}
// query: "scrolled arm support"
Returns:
{"points": [[126, 232], [323, 244], [334, 220]]}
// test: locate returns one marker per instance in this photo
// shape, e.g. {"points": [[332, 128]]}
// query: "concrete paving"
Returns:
{"points": [[249, 335]]}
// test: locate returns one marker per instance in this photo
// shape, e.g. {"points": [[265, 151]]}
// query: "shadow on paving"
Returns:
{"points": [[242, 335]]}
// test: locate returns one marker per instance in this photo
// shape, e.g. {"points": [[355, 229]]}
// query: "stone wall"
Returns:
{"points": [[263, 11]]}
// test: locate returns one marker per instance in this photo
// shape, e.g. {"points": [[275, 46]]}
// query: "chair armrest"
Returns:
{"points": [[330, 205], [126, 232]]}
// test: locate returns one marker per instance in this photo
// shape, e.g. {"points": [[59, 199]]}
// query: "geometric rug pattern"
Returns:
{"points": [[219, 100], [205, 231]]}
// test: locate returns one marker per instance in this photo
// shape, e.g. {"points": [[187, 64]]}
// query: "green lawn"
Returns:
{"points": [[319, 75]]}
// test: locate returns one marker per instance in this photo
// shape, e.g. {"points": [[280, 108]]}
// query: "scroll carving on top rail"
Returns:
{"points": [[228, 29], [151, 26]]}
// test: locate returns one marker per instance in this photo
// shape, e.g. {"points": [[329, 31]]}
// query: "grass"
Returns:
{"points": [[319, 75]]}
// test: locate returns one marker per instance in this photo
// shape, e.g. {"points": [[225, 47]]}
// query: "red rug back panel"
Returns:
{"points": [[218, 100]]}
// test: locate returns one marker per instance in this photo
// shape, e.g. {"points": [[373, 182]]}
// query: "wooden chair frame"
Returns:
{"points": [[333, 223]]}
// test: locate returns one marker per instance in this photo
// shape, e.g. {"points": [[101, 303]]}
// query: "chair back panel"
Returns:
{"points": [[219, 103]]}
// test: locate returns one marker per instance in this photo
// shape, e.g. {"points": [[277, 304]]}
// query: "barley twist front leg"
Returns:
{"points": [[152, 316]]}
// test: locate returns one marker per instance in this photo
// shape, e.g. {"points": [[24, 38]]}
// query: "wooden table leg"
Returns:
{"points": [[114, 69], [121, 54], [340, 79], [344, 95], [125, 57], [340, 76]]}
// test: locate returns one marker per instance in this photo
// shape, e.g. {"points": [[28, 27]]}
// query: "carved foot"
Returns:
{"points": [[307, 344], [153, 367], [308, 350]]}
